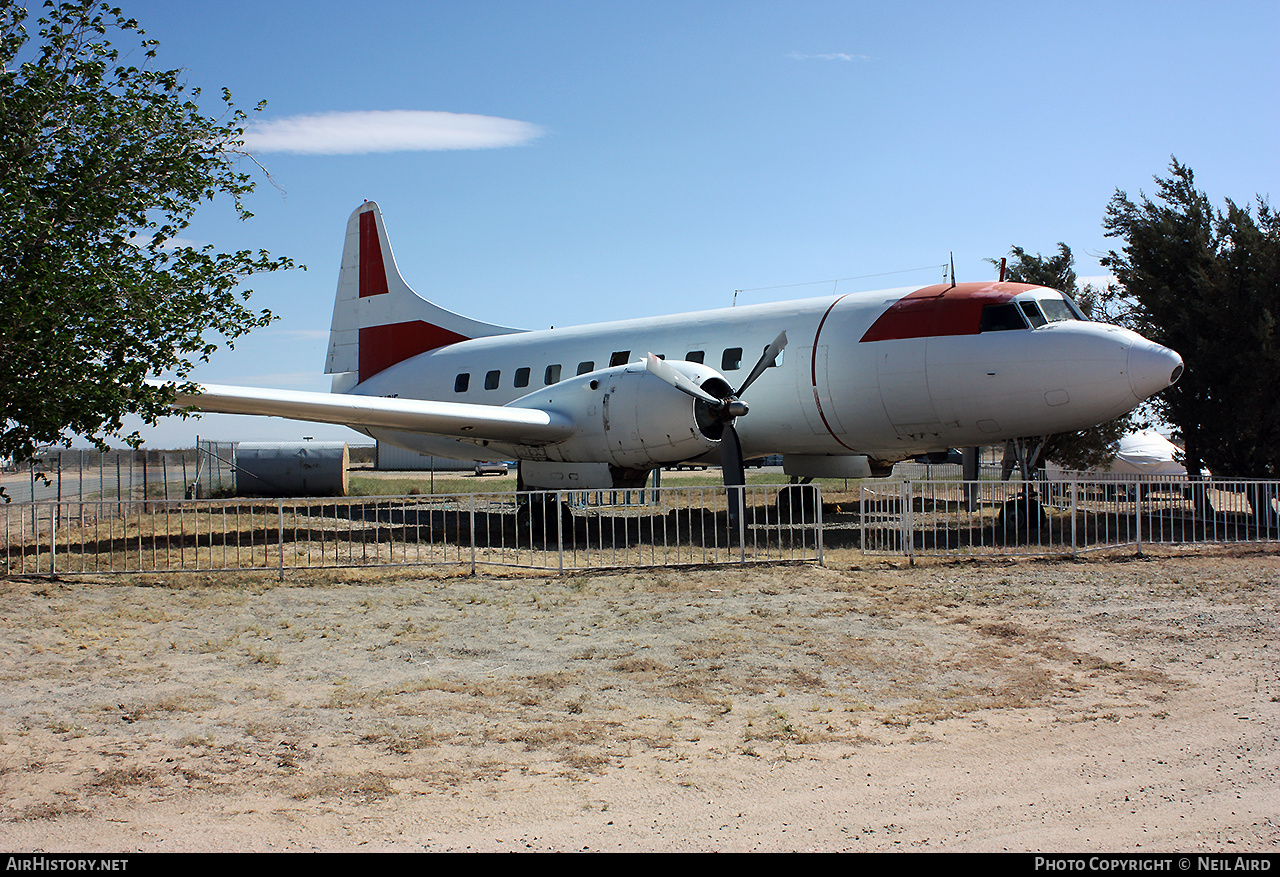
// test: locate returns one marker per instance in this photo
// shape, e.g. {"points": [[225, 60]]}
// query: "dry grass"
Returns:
{"points": [[363, 788], [358, 689]]}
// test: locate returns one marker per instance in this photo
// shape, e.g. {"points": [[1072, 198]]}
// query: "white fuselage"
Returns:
{"points": [[835, 392]]}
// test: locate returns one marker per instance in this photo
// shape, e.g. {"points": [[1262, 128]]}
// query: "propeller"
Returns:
{"points": [[726, 409]]}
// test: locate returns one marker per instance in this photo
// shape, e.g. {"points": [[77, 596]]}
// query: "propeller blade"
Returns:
{"points": [[664, 370], [767, 359], [735, 475]]}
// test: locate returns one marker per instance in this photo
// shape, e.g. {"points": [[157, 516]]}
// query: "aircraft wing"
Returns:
{"points": [[454, 419]]}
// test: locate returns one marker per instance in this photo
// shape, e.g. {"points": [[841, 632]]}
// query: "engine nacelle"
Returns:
{"points": [[628, 417]]}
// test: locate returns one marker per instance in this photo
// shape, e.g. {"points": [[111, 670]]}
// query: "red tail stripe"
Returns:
{"points": [[383, 346], [373, 274]]}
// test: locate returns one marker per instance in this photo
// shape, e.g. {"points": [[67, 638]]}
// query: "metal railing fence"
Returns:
{"points": [[554, 531], [566, 531], [1062, 517]]}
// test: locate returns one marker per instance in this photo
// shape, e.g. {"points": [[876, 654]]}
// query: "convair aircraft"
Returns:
{"points": [[839, 386]]}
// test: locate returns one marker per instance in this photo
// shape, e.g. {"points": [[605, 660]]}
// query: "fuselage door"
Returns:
{"points": [[813, 386], [904, 387]]}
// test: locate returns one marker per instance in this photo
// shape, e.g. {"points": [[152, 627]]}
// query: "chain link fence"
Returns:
{"points": [[122, 475]]}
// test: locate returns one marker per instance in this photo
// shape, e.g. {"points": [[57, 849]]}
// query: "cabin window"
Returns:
{"points": [[491, 380], [619, 357], [1032, 313], [999, 318], [461, 382], [695, 356], [587, 366], [522, 377], [731, 360], [552, 376]]}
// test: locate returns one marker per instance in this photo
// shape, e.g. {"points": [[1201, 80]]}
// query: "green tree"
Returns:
{"points": [[102, 165], [1091, 447], [1206, 283]]}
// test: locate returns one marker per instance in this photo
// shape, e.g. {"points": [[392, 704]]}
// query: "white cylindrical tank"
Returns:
{"points": [[292, 468]]}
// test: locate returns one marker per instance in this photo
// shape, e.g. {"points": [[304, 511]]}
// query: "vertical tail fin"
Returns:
{"points": [[378, 320]]}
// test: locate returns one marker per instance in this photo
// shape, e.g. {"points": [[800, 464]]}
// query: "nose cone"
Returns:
{"points": [[1152, 367]]}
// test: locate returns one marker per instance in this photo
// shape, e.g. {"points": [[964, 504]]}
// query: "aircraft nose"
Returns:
{"points": [[1152, 367]]}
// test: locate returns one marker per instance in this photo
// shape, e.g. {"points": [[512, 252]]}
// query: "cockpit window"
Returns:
{"points": [[1058, 309], [998, 318], [1032, 313]]}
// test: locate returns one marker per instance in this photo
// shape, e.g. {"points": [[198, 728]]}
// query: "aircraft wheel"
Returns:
{"points": [[1023, 520], [797, 502], [536, 520]]}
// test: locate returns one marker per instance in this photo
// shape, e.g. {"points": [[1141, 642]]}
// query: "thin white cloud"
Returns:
{"points": [[180, 243], [829, 56], [386, 131]]}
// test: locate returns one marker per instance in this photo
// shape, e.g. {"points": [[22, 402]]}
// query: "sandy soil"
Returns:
{"points": [[1107, 704]]}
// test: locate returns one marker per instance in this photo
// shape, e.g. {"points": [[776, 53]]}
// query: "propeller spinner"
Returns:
{"points": [[725, 409]]}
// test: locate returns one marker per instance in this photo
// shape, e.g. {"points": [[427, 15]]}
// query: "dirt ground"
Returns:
{"points": [[1109, 704]]}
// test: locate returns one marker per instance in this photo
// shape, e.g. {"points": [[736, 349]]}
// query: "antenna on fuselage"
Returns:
{"points": [[953, 271]]}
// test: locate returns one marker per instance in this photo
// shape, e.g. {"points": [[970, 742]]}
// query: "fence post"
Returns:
{"points": [[862, 518], [1137, 512], [35, 522], [908, 523], [741, 499], [1270, 491], [560, 530], [53, 539], [279, 539], [473, 534], [1075, 489], [817, 488]]}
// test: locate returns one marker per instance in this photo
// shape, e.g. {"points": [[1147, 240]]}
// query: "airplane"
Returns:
{"points": [[839, 386]]}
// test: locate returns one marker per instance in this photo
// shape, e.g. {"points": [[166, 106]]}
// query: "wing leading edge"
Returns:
{"points": [[526, 426]]}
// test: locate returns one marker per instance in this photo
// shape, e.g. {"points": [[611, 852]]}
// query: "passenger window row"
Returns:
{"points": [[730, 360]]}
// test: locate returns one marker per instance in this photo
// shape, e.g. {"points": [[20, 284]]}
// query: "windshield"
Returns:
{"points": [[1002, 317], [1060, 308]]}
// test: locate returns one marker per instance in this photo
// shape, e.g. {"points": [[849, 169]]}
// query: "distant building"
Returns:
{"points": [[390, 458]]}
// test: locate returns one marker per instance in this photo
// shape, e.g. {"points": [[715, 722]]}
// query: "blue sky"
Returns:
{"points": [[663, 155]]}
